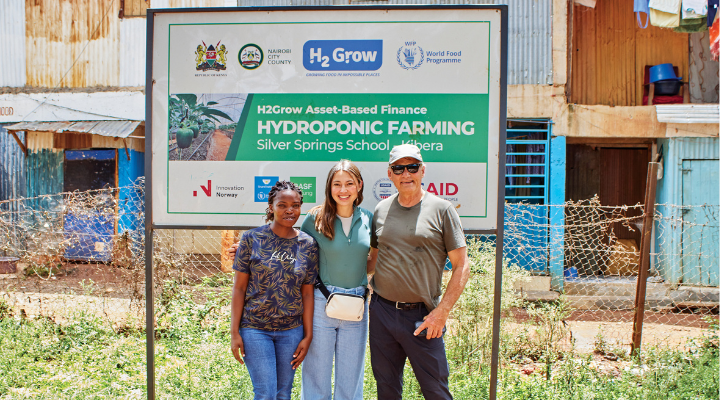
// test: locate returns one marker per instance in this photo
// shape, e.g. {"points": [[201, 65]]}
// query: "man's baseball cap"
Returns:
{"points": [[405, 150]]}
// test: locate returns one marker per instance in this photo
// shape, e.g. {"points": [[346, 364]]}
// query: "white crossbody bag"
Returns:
{"points": [[344, 306]]}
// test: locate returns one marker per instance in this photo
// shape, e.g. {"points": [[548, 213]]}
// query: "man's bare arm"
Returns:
{"points": [[437, 318]]}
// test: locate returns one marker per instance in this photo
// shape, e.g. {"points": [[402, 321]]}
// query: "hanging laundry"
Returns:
{"points": [[694, 9], [665, 13], [641, 6], [692, 25], [712, 10], [715, 39]]}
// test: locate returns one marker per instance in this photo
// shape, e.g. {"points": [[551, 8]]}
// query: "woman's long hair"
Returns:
{"points": [[325, 214]]}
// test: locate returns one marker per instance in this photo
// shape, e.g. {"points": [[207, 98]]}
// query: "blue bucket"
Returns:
{"points": [[663, 72]]}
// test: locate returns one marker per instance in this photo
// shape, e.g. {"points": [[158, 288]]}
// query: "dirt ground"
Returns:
{"points": [[219, 146], [118, 294], [211, 146]]}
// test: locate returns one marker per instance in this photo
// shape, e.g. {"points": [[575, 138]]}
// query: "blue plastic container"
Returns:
{"points": [[663, 72], [571, 273]]}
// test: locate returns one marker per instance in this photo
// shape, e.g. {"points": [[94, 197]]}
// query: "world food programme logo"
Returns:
{"points": [[383, 189], [263, 184], [250, 56], [410, 56], [210, 57]]}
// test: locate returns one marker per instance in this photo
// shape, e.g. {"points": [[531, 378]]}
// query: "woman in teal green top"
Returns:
{"points": [[342, 231]]}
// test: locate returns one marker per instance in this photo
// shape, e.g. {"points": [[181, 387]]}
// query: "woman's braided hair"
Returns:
{"points": [[279, 187]]}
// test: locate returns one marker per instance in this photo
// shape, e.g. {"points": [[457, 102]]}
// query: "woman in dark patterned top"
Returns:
{"points": [[272, 303]]}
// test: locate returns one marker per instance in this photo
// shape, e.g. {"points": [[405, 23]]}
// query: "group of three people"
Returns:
{"points": [[275, 325]]}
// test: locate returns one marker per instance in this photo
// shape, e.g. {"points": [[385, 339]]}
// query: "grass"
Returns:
{"points": [[86, 359], [90, 359]]}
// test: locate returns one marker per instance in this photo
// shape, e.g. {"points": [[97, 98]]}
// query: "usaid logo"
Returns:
{"points": [[342, 55], [441, 189], [383, 188]]}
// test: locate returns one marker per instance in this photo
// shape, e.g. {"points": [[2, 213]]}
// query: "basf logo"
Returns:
{"points": [[342, 55], [263, 184]]}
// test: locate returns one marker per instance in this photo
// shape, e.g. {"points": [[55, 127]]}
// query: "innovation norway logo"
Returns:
{"points": [[263, 184], [410, 56]]}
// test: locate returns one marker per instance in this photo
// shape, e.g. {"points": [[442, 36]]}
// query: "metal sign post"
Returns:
{"points": [[302, 88]]}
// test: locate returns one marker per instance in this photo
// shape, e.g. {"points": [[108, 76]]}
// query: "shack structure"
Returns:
{"points": [[579, 122]]}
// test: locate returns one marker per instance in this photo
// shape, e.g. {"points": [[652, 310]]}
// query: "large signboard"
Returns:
{"points": [[243, 98]]}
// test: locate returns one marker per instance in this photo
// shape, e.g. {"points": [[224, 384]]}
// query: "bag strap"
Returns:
{"points": [[320, 285]]}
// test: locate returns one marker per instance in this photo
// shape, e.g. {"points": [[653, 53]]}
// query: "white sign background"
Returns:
{"points": [[176, 184]]}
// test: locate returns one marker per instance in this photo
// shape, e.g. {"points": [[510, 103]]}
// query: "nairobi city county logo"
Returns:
{"points": [[210, 57], [410, 56], [250, 56]]}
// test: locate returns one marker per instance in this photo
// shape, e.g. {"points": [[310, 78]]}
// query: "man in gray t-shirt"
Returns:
{"points": [[413, 233]]}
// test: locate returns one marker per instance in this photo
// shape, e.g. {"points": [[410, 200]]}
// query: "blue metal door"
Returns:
{"points": [[89, 230], [700, 188], [526, 191]]}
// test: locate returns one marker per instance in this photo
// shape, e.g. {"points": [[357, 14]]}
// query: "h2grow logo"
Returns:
{"points": [[342, 55]]}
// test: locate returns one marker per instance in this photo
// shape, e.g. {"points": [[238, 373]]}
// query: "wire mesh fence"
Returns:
{"points": [[87, 249]]}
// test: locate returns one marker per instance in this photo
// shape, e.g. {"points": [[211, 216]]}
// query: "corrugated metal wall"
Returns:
{"points": [[610, 52], [115, 54], [676, 150], [133, 32], [44, 172], [529, 32], [12, 167], [704, 82], [12, 43], [670, 191], [83, 53], [192, 3]]}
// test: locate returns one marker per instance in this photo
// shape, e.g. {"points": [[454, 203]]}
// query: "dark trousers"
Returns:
{"points": [[392, 342]]}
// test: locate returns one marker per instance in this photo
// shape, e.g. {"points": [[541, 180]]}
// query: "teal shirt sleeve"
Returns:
{"points": [[308, 225]]}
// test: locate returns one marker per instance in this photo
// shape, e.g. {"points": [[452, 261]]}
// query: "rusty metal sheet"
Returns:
{"points": [[83, 53], [610, 52]]}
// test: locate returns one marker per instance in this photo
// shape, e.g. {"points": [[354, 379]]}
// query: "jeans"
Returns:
{"points": [[392, 342], [346, 341], [267, 356]]}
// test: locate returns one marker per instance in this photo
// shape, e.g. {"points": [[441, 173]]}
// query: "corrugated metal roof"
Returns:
{"points": [[121, 129], [688, 113], [12, 45], [529, 32]]}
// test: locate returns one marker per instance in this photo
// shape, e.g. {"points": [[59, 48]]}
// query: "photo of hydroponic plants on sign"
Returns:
{"points": [[202, 125]]}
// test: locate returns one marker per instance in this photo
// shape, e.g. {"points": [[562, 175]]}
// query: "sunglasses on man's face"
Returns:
{"points": [[412, 168]]}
